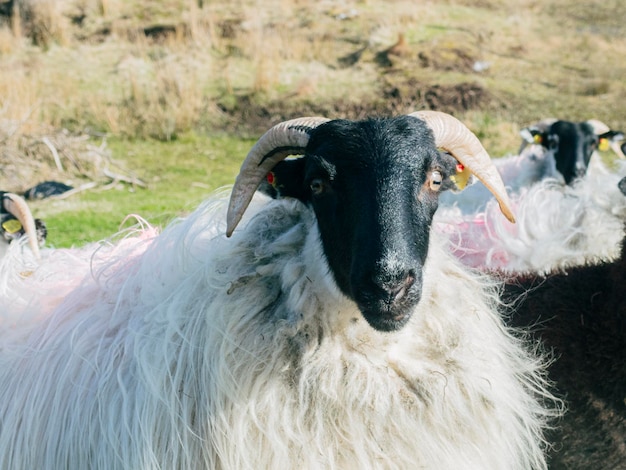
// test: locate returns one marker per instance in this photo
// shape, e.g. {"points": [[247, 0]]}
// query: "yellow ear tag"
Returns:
{"points": [[537, 138], [462, 176], [603, 145], [12, 226]]}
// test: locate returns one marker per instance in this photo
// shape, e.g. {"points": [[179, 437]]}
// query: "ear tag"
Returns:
{"points": [[271, 178], [603, 145], [462, 177], [537, 139], [12, 226]]}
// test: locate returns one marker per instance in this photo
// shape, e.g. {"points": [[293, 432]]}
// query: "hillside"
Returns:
{"points": [[83, 73]]}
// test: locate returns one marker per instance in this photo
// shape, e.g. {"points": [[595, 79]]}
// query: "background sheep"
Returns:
{"points": [[581, 316], [551, 149], [330, 331], [556, 226]]}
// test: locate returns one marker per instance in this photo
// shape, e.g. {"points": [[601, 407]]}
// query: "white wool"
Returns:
{"points": [[191, 350], [556, 226]]}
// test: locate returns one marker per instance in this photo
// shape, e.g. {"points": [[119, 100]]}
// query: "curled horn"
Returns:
{"points": [[16, 206], [284, 139], [455, 138]]}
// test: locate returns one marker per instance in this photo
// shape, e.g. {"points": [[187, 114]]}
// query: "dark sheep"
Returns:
{"points": [[581, 316]]}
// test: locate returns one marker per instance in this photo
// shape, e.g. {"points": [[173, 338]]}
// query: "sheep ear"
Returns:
{"points": [[284, 139], [285, 180], [463, 178]]}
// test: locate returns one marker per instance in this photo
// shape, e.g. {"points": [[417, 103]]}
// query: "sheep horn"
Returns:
{"points": [[284, 139], [616, 148], [454, 137], [598, 127], [16, 206]]}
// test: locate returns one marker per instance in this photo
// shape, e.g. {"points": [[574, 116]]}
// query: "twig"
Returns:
{"points": [[126, 179], [71, 192], [55, 154]]}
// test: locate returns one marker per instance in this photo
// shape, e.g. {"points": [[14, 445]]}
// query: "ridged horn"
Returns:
{"points": [[16, 206], [598, 127], [455, 138], [284, 139]]}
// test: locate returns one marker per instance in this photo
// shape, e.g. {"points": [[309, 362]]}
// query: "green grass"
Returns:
{"points": [[179, 174], [240, 66]]}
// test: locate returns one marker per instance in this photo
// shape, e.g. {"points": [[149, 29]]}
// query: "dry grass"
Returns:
{"points": [[160, 69]]}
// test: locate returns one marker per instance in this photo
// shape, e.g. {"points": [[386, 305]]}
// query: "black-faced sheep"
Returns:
{"points": [[331, 330], [581, 316], [573, 143], [551, 149]]}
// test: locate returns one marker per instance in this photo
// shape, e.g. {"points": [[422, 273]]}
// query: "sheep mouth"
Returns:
{"points": [[387, 321], [387, 315], [389, 311]]}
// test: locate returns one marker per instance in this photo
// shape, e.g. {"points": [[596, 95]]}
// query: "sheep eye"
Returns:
{"points": [[317, 186], [435, 180]]}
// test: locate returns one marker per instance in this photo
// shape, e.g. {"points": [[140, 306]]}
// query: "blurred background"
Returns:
{"points": [[146, 107]]}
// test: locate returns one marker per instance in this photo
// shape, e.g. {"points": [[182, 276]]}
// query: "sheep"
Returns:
{"points": [[327, 329], [551, 149], [581, 316], [556, 226], [574, 143], [16, 221]]}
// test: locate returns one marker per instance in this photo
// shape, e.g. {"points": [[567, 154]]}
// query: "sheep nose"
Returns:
{"points": [[398, 290], [580, 169]]}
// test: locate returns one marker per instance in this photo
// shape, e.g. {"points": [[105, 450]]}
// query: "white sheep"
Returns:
{"points": [[285, 345], [551, 149], [556, 226]]}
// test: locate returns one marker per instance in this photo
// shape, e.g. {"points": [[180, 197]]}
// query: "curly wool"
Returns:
{"points": [[190, 350], [556, 226]]}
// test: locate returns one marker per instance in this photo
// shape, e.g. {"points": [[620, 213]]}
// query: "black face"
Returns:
{"points": [[374, 188], [576, 142]]}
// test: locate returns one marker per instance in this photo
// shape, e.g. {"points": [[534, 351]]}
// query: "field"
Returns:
{"points": [[147, 109]]}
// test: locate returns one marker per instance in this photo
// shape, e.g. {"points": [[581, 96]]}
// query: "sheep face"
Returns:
{"points": [[374, 198], [572, 143], [575, 143]]}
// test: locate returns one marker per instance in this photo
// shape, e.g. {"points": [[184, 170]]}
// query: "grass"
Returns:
{"points": [[179, 175], [181, 87]]}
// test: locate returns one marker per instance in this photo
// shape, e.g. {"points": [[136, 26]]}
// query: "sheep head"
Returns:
{"points": [[16, 206], [373, 186], [572, 143]]}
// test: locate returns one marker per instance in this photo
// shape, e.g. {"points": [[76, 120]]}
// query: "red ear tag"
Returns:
{"points": [[270, 178], [459, 168]]}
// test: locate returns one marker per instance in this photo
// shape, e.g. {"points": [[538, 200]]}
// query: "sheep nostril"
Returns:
{"points": [[397, 291]]}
